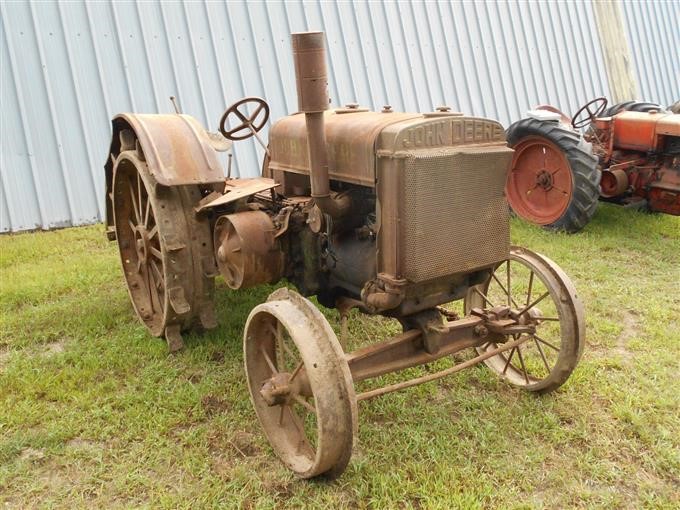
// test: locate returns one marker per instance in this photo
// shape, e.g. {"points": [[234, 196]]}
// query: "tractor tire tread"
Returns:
{"points": [[585, 172]]}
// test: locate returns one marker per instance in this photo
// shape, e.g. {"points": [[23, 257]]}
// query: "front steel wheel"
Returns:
{"points": [[538, 293], [300, 385]]}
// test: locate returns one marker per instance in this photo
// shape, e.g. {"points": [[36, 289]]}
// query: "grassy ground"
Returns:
{"points": [[95, 413]]}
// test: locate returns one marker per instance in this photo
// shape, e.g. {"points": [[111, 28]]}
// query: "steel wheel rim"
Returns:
{"points": [[140, 247], [329, 392], [543, 349], [295, 440], [539, 185]]}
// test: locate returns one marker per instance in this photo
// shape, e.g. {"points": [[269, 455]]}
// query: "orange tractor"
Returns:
{"points": [[629, 155]]}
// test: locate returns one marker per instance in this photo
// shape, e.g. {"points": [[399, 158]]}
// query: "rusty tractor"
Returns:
{"points": [[397, 214], [628, 155]]}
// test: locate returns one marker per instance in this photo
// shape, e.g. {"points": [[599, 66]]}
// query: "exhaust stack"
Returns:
{"points": [[309, 56]]}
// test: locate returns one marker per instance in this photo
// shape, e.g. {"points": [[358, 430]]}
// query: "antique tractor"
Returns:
{"points": [[397, 214], [629, 155]]}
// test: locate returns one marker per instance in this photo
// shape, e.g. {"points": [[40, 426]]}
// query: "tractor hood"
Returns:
{"points": [[355, 137]]}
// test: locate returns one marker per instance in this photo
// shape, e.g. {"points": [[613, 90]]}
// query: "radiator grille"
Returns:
{"points": [[454, 215]]}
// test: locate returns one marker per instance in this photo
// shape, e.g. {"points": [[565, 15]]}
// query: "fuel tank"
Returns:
{"points": [[644, 131]]}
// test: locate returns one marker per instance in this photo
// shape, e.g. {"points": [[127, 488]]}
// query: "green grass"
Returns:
{"points": [[95, 413]]}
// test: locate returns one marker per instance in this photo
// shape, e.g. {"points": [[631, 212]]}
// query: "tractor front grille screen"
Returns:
{"points": [[454, 215]]}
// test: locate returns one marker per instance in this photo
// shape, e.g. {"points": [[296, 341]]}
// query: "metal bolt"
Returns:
{"points": [[352, 106], [443, 109], [387, 109], [480, 331]]}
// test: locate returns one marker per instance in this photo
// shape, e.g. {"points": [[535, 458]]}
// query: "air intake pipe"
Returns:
{"points": [[309, 56]]}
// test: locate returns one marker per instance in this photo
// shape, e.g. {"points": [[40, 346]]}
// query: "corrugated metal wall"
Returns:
{"points": [[68, 67], [653, 30]]}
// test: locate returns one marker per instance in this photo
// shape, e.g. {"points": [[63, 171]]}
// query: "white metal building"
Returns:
{"points": [[67, 68]]}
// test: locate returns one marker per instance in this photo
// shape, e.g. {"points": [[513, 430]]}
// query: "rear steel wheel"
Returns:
{"points": [[538, 292], [553, 180], [161, 244], [300, 385]]}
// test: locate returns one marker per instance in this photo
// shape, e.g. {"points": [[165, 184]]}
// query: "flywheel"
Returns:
{"points": [[165, 250]]}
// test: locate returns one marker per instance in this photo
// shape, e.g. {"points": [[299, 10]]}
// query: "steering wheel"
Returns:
{"points": [[594, 109], [250, 123]]}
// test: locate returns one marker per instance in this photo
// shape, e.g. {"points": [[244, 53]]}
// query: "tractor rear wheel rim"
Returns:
{"points": [[540, 184], [140, 247]]}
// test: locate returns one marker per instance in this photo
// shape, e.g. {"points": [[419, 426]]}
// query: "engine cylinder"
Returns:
{"points": [[246, 249]]}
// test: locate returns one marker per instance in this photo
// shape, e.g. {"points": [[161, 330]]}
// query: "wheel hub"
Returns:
{"points": [[282, 387], [277, 390], [531, 316], [544, 180]]}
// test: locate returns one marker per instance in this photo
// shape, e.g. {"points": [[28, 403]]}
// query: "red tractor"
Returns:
{"points": [[629, 155]]}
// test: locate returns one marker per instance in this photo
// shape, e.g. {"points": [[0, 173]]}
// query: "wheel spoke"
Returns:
{"points": [[135, 208], [521, 362], [281, 413], [243, 118], [529, 307], [296, 372], [304, 404], [156, 253], [147, 281], [257, 111], [304, 442], [133, 227], [483, 296], [531, 282], [139, 194], [146, 213], [540, 350], [282, 345], [507, 362], [268, 360], [153, 231], [511, 300], [546, 343], [153, 289], [159, 275]]}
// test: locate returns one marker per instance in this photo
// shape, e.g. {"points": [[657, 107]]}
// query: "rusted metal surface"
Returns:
{"points": [[537, 292], [350, 139], [169, 278], [177, 148], [390, 213], [300, 385], [406, 350], [234, 190], [246, 249], [442, 373], [177, 151], [247, 124], [309, 55]]}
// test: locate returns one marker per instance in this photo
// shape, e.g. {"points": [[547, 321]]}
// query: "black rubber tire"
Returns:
{"points": [[631, 106], [583, 164]]}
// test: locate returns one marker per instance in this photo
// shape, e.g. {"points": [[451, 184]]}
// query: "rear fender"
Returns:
{"points": [[177, 150]]}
